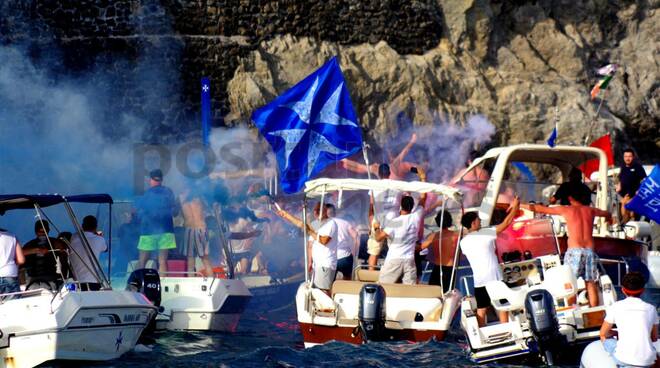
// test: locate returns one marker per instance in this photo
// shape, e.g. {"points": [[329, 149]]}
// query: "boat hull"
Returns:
{"points": [[204, 304], [89, 326], [319, 334]]}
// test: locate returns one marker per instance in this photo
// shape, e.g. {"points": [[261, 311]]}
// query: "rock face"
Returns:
{"points": [[429, 60]]}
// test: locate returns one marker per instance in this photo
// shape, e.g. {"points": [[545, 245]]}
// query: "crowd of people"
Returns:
{"points": [[245, 226]]}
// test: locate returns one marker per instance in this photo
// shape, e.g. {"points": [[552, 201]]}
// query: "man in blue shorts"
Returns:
{"points": [[580, 255]]}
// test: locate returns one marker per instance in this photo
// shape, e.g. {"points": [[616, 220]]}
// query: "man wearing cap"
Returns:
{"points": [[155, 210], [637, 326]]}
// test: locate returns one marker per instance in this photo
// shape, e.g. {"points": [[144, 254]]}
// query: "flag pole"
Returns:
{"points": [[556, 123], [586, 139]]}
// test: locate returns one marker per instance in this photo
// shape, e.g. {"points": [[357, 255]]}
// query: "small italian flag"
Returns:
{"points": [[608, 73]]}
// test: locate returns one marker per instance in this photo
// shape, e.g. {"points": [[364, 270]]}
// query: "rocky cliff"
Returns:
{"points": [[434, 62]]}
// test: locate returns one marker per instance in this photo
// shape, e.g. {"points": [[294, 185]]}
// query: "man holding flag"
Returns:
{"points": [[310, 126]]}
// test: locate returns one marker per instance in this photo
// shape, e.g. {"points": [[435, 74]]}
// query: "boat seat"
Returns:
{"points": [[560, 282], [367, 275], [504, 298], [391, 290]]}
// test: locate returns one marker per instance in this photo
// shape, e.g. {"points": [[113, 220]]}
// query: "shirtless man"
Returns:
{"points": [[580, 254], [399, 168], [195, 241], [442, 246]]}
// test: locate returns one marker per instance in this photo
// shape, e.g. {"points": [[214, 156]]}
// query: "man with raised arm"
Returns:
{"points": [[399, 167], [402, 233], [479, 247], [324, 247], [580, 255]]}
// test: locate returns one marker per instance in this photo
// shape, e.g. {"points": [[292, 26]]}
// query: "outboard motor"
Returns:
{"points": [[542, 317], [147, 282], [372, 312]]}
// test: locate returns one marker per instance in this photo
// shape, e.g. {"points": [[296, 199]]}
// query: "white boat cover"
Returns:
{"points": [[317, 187]]}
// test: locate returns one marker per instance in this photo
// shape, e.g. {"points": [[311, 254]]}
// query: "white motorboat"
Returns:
{"points": [[508, 170], [202, 303], [41, 325], [361, 309]]}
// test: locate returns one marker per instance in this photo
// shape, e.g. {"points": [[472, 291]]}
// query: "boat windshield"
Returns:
{"points": [[526, 239], [473, 183], [530, 181]]}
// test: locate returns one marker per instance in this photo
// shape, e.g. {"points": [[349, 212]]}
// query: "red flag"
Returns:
{"points": [[605, 144]]}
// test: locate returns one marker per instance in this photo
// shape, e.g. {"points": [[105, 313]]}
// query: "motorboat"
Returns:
{"points": [[535, 294], [361, 309], [507, 171], [68, 324], [189, 300]]}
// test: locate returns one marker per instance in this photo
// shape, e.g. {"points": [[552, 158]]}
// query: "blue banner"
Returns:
{"points": [[206, 110], [310, 125], [552, 140], [647, 200]]}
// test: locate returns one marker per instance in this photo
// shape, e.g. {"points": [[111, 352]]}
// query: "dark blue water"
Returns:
{"points": [[274, 340]]}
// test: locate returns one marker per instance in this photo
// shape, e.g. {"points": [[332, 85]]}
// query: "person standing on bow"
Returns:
{"points": [[580, 255], [324, 247], [479, 248], [155, 211]]}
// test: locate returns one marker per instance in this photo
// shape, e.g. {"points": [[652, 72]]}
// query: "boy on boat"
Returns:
{"points": [[637, 326]]}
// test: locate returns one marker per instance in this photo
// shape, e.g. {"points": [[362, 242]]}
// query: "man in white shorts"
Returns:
{"points": [[324, 248], [195, 237], [402, 233], [637, 326]]}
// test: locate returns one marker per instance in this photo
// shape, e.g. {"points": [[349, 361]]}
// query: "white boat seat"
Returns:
{"points": [[391, 290], [560, 282], [504, 298], [367, 275]]}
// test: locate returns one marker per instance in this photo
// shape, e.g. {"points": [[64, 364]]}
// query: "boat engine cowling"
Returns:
{"points": [[145, 281], [542, 317], [371, 313]]}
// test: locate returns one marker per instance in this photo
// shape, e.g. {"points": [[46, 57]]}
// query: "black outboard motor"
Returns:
{"points": [[147, 282], [372, 312], [542, 317]]}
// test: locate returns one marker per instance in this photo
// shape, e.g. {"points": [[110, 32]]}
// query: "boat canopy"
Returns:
{"points": [[562, 156], [27, 201], [318, 187]]}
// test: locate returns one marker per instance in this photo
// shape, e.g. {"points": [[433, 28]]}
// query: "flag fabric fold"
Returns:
{"points": [[608, 73], [206, 110], [604, 143], [647, 200], [552, 140], [310, 125]]}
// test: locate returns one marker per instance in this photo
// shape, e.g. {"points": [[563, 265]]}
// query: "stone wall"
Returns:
{"points": [[435, 60]]}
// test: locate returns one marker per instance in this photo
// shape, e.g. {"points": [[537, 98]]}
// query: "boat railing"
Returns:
{"points": [[20, 294]]}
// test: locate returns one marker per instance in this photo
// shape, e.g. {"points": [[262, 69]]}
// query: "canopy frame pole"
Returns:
{"points": [[304, 217], [458, 249], [442, 219]]}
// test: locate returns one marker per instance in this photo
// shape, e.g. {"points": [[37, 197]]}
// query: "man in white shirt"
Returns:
{"points": [[11, 256], [346, 244], [81, 264], [324, 248], [402, 233], [637, 326], [383, 207], [479, 246]]}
